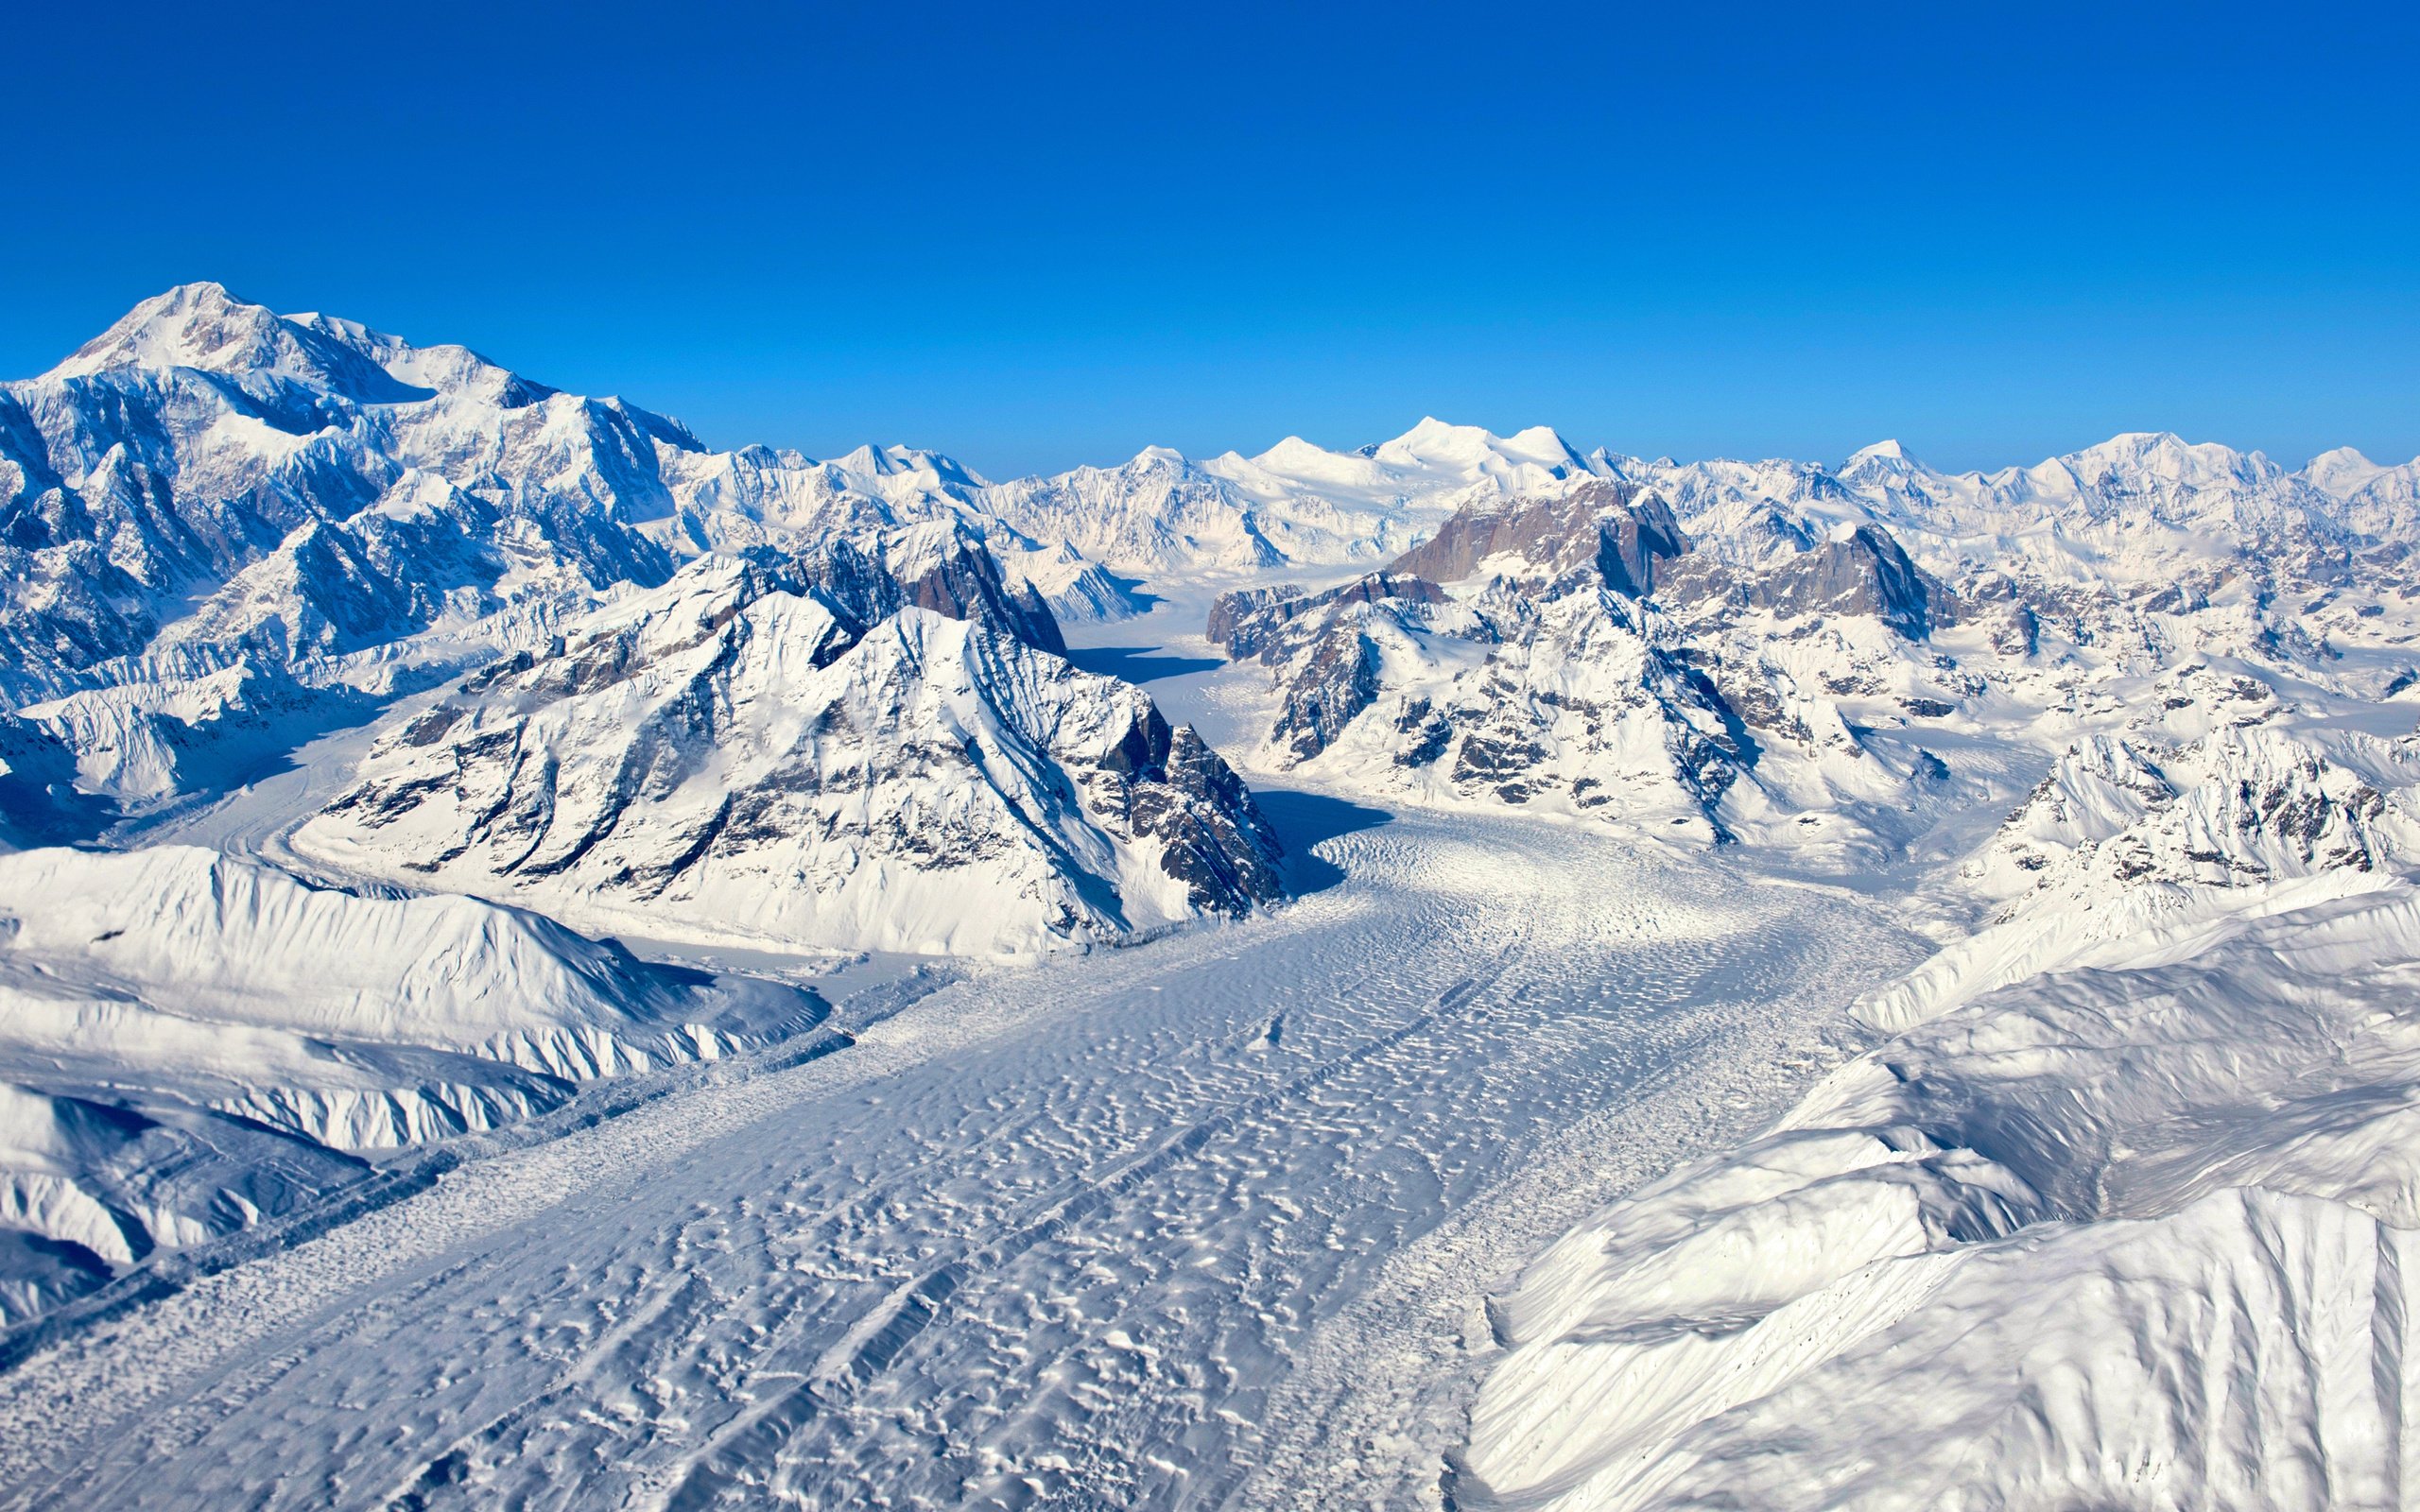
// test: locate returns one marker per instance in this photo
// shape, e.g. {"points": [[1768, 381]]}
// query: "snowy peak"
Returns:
{"points": [[1318, 506], [202, 327], [1298, 458], [726, 759], [1433, 445], [192, 325], [931, 468], [2138, 458], [2341, 473], [1885, 474]]}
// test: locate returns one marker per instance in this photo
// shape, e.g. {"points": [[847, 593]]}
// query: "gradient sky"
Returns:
{"points": [[1034, 236]]}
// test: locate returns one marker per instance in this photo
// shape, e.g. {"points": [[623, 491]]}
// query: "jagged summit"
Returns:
{"points": [[202, 327], [745, 754]]}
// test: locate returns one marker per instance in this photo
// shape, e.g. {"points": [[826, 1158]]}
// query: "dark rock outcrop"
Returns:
{"points": [[1600, 526], [1865, 574], [1270, 623]]}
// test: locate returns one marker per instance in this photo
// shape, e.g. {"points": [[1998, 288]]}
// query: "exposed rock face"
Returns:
{"points": [[939, 566], [944, 567], [1864, 572], [1596, 660], [1335, 682], [1172, 788], [1581, 706], [1271, 623], [1324, 641], [1597, 526], [736, 756]]}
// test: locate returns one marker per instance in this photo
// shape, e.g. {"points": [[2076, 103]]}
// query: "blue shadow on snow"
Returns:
{"points": [[1139, 664], [1303, 820]]}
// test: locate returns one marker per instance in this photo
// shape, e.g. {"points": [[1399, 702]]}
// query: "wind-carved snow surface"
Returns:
{"points": [[1074, 1234]]}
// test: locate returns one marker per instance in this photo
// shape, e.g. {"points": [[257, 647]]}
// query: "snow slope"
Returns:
{"points": [[189, 1042], [2113, 1217], [2115, 1220]]}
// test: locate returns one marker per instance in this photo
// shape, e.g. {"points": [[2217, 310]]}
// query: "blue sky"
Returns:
{"points": [[1037, 236]]}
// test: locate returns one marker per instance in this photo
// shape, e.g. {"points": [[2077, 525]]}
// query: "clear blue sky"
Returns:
{"points": [[1039, 236]]}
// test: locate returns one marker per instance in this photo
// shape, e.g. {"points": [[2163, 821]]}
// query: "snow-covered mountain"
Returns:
{"points": [[741, 756], [281, 487], [190, 1042], [225, 531], [2150, 1124], [1165, 514], [2106, 1196], [210, 480], [2120, 512], [1779, 652], [1577, 651], [2140, 1120], [226, 534]]}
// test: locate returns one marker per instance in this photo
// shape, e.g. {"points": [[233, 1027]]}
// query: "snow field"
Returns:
{"points": [[1020, 1239]]}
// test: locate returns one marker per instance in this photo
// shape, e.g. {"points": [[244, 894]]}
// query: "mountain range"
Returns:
{"points": [[395, 751]]}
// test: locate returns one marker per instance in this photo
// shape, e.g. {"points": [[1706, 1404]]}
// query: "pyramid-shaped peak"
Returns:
{"points": [[192, 325], [1293, 450], [1542, 442], [2341, 472], [2342, 457]]}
